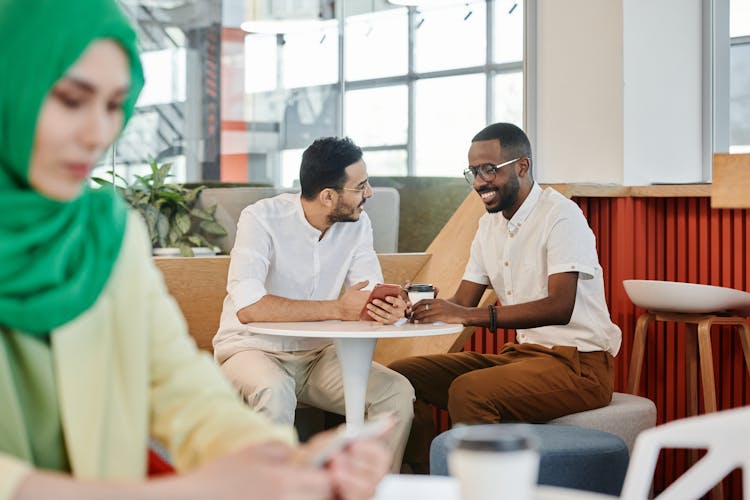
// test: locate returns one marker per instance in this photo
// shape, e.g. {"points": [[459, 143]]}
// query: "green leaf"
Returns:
{"points": [[162, 229], [171, 196], [164, 170], [101, 182], [160, 174], [191, 195], [185, 250], [213, 228], [205, 242], [196, 240], [174, 236], [117, 176], [201, 214], [182, 221], [151, 214]]}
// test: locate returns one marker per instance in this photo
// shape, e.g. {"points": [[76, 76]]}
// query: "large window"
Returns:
{"points": [[408, 85], [450, 110]]}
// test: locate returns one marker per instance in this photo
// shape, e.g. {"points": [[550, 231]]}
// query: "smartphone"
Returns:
{"points": [[373, 428], [381, 291]]}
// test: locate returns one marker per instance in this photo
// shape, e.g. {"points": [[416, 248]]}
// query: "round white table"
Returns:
{"points": [[355, 344]]}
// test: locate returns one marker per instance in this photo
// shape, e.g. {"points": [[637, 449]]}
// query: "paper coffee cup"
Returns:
{"points": [[493, 463], [420, 291]]}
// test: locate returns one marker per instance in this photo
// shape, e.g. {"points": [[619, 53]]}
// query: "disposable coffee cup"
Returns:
{"points": [[420, 291], [494, 463]]}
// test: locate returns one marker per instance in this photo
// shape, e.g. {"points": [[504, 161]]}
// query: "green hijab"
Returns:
{"points": [[55, 257]]}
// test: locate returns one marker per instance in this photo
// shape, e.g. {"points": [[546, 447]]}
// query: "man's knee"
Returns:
{"points": [[405, 366], [416, 370], [396, 392], [404, 393], [468, 403], [274, 397]]}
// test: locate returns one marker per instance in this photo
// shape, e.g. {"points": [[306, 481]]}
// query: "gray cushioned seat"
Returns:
{"points": [[571, 457], [625, 416]]}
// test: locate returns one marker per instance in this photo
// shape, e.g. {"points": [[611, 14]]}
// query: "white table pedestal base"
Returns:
{"points": [[355, 345], [355, 357]]}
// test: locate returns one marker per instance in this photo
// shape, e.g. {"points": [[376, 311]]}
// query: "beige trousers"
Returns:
{"points": [[273, 382]]}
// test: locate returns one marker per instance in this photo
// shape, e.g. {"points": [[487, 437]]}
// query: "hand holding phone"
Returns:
{"points": [[376, 427], [381, 291]]}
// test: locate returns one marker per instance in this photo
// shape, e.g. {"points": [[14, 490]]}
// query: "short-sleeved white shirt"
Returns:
{"points": [[278, 252], [547, 235]]}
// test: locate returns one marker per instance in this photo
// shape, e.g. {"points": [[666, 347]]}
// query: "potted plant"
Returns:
{"points": [[170, 211]]}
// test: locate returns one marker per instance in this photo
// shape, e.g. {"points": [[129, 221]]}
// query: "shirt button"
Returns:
{"points": [[511, 235], [508, 292], [505, 263]]}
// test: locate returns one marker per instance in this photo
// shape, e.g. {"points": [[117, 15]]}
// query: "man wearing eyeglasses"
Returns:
{"points": [[292, 256], [535, 249]]}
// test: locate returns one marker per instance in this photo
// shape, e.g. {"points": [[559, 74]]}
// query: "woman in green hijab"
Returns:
{"points": [[94, 354]]}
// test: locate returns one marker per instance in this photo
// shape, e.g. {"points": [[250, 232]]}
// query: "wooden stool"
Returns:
{"points": [[697, 346]]}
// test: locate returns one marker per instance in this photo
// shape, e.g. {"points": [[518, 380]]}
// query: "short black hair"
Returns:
{"points": [[512, 139], [324, 164]]}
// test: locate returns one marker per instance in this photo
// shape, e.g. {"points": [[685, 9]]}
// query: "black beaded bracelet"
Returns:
{"points": [[493, 318]]}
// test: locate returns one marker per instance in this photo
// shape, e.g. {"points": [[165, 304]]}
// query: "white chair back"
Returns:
{"points": [[726, 436]]}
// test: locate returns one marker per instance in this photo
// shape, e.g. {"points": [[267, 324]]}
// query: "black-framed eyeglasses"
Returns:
{"points": [[486, 171]]}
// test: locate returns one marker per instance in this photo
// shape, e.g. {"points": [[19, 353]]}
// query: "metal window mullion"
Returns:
{"points": [[716, 82], [387, 147], [530, 73], [411, 94], [342, 84], [489, 93]]}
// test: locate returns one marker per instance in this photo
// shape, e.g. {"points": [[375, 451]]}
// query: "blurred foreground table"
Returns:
{"points": [[410, 487]]}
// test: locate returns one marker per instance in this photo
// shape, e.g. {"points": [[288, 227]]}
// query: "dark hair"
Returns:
{"points": [[324, 164], [512, 139]]}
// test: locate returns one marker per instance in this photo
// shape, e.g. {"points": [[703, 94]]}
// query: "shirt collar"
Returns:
{"points": [[308, 228], [515, 222]]}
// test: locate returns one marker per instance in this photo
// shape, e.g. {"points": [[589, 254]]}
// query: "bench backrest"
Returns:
{"points": [[199, 284]]}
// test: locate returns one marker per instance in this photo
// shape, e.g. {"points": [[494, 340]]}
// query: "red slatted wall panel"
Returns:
{"points": [[674, 239]]}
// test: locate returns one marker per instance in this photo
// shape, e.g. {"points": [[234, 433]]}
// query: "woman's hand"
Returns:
{"points": [[265, 471], [357, 471], [268, 471]]}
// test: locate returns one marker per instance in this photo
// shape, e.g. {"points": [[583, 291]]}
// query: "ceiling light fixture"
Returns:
{"points": [[425, 3], [279, 17]]}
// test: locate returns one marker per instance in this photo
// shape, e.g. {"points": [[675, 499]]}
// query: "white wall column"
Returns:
{"points": [[619, 91]]}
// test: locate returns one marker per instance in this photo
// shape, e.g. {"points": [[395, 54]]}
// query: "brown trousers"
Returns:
{"points": [[524, 382]]}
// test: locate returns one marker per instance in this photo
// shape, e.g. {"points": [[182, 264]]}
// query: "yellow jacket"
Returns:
{"points": [[126, 370]]}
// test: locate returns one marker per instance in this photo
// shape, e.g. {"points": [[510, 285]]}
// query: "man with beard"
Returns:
{"points": [[536, 250], [292, 256]]}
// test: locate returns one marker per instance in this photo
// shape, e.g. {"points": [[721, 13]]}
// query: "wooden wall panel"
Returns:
{"points": [[674, 239]]}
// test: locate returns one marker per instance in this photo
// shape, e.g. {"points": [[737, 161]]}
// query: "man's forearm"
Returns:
{"points": [[528, 315], [274, 308]]}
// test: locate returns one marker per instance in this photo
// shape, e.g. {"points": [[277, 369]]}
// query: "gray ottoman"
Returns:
{"points": [[625, 416], [571, 457]]}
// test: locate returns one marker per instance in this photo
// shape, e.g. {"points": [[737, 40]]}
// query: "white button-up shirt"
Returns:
{"points": [[547, 235], [278, 252]]}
